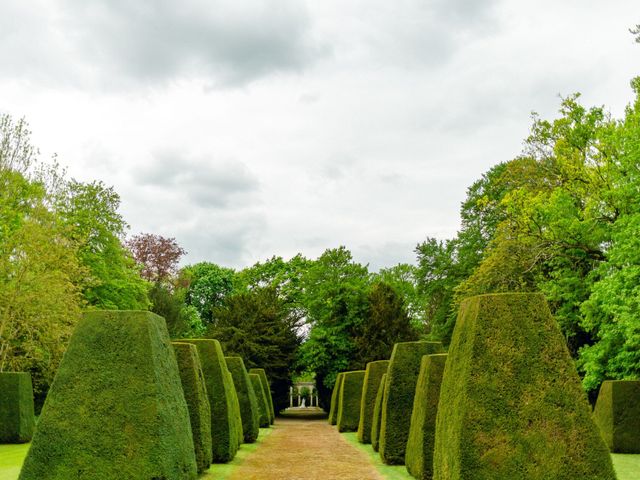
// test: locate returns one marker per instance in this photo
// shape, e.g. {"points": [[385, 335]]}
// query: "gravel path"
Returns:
{"points": [[305, 450]]}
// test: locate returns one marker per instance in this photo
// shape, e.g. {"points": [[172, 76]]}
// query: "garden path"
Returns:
{"points": [[300, 449]]}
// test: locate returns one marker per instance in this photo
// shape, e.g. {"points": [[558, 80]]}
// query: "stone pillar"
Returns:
{"points": [[290, 397]]}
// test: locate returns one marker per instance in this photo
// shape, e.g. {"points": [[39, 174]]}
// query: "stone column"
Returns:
{"points": [[290, 397]]}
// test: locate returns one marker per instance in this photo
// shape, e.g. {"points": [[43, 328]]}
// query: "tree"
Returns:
{"points": [[257, 326], [636, 31], [90, 212], [385, 324], [158, 256], [40, 301], [207, 285]]}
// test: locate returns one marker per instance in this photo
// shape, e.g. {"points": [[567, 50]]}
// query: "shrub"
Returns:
{"points": [[397, 403], [263, 405], [238, 432], [377, 414], [195, 393], [349, 401], [419, 454], [247, 398], [224, 434], [335, 395], [16, 407], [511, 402], [617, 414], [267, 391], [115, 409], [372, 377]]}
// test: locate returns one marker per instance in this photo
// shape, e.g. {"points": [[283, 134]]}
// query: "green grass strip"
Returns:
{"points": [[389, 472]]}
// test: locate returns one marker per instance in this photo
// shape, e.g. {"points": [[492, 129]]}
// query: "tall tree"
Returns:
{"points": [[90, 212], [157, 256]]}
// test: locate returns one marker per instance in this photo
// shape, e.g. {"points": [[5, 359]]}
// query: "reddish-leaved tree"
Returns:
{"points": [[158, 256]]}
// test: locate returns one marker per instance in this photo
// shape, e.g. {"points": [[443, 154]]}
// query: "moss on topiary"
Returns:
{"points": [[377, 414], [397, 403], [263, 405], [16, 407], [617, 414], [511, 402], [220, 390], [419, 454], [372, 376], [247, 398], [116, 408], [349, 401], [335, 395], [267, 391], [195, 393]]}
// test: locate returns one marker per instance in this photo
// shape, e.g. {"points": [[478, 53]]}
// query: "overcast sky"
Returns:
{"points": [[252, 128]]}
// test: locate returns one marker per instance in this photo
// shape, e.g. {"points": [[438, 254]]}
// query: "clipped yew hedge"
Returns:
{"points": [[335, 395], [397, 403], [16, 407], [511, 402], [220, 390], [372, 376], [377, 414], [247, 398], [263, 405], [422, 433], [617, 414], [116, 408], [349, 401], [195, 393], [237, 416], [267, 391]]}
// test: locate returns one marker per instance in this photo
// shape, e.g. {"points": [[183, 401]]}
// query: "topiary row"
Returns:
{"points": [[267, 391], [195, 394], [349, 401], [617, 414], [116, 408], [377, 414], [263, 405], [246, 397], [397, 403], [372, 376], [511, 403], [335, 395], [17, 419]]}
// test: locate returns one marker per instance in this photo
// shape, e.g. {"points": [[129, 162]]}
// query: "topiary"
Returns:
{"points": [[116, 408], [16, 407], [372, 376], [247, 398], [195, 393], [349, 401], [397, 403], [419, 454], [511, 402], [335, 395], [238, 431], [377, 414], [220, 390], [263, 405], [267, 391], [617, 414]]}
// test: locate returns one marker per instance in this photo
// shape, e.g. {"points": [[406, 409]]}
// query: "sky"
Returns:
{"points": [[247, 129]]}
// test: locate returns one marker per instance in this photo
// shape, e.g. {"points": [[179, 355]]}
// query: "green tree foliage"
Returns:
{"points": [[257, 326], [39, 270], [385, 323], [90, 211], [207, 286]]}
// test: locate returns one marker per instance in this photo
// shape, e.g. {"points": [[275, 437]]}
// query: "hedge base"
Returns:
{"points": [[617, 414]]}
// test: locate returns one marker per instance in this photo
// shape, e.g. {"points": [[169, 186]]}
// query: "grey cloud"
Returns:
{"points": [[122, 43], [207, 183]]}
